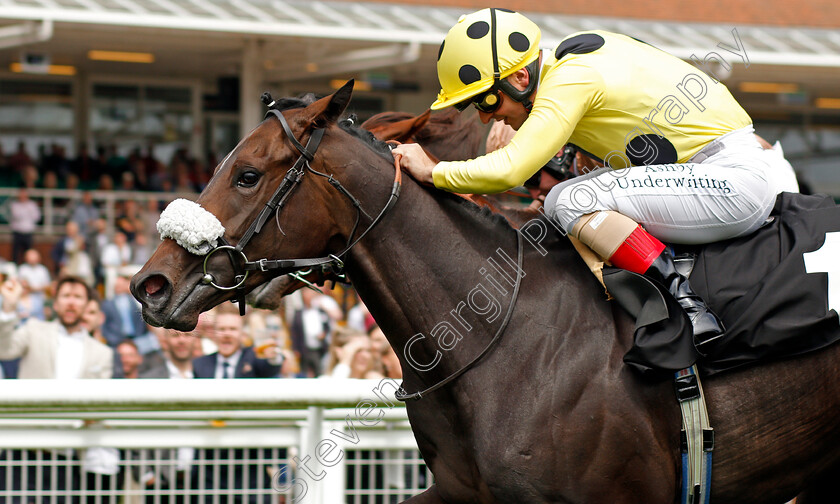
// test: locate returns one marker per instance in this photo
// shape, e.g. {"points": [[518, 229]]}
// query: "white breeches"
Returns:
{"points": [[726, 190]]}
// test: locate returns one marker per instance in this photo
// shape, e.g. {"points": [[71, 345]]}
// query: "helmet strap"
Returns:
{"points": [[524, 96], [496, 73]]}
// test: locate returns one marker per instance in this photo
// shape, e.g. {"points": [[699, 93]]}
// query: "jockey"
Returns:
{"points": [[682, 161]]}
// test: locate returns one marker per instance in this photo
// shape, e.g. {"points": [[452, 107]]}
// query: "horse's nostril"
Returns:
{"points": [[154, 284]]}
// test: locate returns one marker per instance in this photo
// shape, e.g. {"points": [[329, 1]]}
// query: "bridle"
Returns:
{"points": [[333, 263]]}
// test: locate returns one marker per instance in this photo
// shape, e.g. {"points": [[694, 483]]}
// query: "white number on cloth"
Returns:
{"points": [[826, 259]]}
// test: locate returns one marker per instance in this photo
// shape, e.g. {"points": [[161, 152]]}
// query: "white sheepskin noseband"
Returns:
{"points": [[191, 226]]}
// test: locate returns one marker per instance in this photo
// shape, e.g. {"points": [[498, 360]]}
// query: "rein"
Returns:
{"points": [[333, 262], [402, 395]]}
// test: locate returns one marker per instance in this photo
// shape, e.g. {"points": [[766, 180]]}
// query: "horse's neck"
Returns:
{"points": [[442, 274]]}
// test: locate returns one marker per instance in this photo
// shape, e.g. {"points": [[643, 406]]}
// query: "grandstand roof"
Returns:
{"points": [[395, 23]]}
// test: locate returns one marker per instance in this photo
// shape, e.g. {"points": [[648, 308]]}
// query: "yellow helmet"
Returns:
{"points": [[482, 49]]}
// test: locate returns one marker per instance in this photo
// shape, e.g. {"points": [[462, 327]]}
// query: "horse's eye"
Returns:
{"points": [[248, 179]]}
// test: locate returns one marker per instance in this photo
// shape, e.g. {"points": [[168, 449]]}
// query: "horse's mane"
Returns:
{"points": [[446, 134], [350, 124], [443, 125]]}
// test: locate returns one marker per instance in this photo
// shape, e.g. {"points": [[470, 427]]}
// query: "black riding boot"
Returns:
{"points": [[707, 327]]}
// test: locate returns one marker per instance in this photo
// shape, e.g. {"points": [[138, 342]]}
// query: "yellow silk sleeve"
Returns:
{"points": [[566, 93]]}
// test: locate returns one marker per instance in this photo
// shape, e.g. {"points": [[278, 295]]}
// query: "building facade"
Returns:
{"points": [[187, 74]]}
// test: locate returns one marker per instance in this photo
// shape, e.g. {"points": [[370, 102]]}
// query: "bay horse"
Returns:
{"points": [[550, 413], [446, 135]]}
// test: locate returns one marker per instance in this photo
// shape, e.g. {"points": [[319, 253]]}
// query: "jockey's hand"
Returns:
{"points": [[415, 160]]}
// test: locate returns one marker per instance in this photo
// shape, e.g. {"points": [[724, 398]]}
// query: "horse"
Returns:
{"points": [[445, 135], [512, 356]]}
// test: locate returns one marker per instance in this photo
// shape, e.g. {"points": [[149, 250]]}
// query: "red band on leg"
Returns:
{"points": [[637, 252]]}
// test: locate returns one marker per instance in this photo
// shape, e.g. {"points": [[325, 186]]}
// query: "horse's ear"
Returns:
{"points": [[420, 121], [327, 110]]}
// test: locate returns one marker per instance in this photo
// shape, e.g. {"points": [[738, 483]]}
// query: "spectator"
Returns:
{"points": [[117, 254], [96, 241], [351, 356], [233, 361], [271, 341], [29, 177], [93, 319], [25, 215], [128, 219], [115, 163], [85, 166], [106, 182], [309, 330], [390, 362], [85, 213], [56, 161], [123, 317], [101, 465], [130, 358], [204, 330], [35, 278], [57, 349], [172, 466], [50, 181], [128, 181], [71, 183], [8, 368], [149, 215], [60, 349], [72, 253], [142, 249], [179, 349], [358, 316], [20, 159]]}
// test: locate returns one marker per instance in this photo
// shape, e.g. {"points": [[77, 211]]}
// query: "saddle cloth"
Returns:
{"points": [[773, 289]]}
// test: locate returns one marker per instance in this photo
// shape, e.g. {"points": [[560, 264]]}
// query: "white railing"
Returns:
{"points": [[57, 205], [312, 440]]}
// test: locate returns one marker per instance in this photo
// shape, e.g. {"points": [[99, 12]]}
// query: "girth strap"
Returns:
{"points": [[697, 438]]}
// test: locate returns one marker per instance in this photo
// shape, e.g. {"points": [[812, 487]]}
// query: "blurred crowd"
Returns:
{"points": [[63, 328], [103, 169], [311, 335], [66, 312]]}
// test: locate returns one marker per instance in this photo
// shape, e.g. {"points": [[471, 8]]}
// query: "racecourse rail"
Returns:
{"points": [[321, 422]]}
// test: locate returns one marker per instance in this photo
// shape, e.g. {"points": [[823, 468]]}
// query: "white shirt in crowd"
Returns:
{"points": [[70, 355], [71, 350], [114, 255], [232, 362], [37, 276], [176, 374], [25, 215], [315, 324]]}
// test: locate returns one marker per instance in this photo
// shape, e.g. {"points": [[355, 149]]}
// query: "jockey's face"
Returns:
{"points": [[510, 111]]}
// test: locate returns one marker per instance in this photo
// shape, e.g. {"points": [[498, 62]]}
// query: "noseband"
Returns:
{"points": [[332, 263]]}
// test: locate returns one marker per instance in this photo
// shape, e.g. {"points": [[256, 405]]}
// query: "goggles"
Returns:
{"points": [[487, 102]]}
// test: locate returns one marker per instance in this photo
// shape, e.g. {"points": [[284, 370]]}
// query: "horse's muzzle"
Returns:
{"points": [[153, 290]]}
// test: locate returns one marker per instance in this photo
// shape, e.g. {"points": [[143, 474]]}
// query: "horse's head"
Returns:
{"points": [[263, 202], [399, 126]]}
